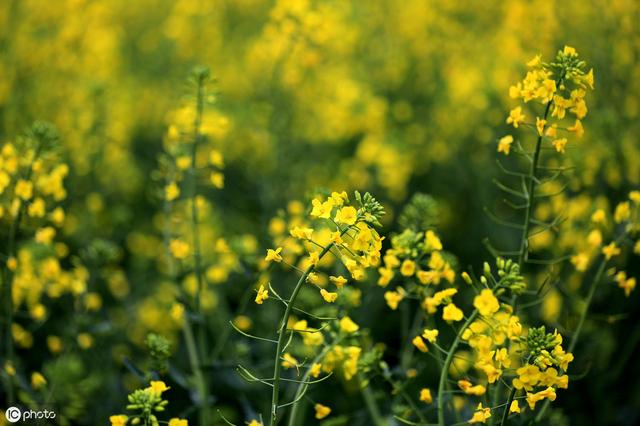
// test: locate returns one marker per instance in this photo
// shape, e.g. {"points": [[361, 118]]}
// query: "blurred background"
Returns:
{"points": [[384, 96]]}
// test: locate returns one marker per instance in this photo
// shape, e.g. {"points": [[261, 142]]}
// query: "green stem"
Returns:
{"points": [[8, 294], [447, 362], [524, 240], [197, 257], [277, 368], [505, 413], [302, 387], [574, 339], [372, 408]]}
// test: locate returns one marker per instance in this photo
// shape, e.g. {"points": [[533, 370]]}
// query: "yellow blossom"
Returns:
{"points": [[289, 361], [419, 343], [481, 415], [549, 393], [610, 250], [328, 296], [470, 389], [515, 117], [262, 295], [24, 189], [158, 386], [393, 298], [348, 326], [171, 191], [432, 242], [425, 396], [560, 145], [178, 422], [430, 335], [452, 313], [347, 215], [339, 281], [118, 420], [38, 381], [179, 249], [514, 407], [274, 255], [504, 144], [322, 411], [408, 268], [486, 303]]}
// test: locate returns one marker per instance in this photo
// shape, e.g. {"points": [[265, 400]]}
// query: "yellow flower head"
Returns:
{"points": [[322, 411], [515, 117], [274, 255], [504, 144], [481, 414], [158, 386], [452, 313], [425, 396], [178, 422], [347, 215], [263, 294], [486, 303], [419, 343], [328, 296], [118, 420], [348, 326]]}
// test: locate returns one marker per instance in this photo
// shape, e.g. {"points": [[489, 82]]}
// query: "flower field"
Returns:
{"points": [[306, 212]]}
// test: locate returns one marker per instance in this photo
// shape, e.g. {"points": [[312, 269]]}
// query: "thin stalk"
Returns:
{"points": [[447, 362], [197, 256], [524, 240], [302, 387], [372, 408], [277, 368], [8, 294]]}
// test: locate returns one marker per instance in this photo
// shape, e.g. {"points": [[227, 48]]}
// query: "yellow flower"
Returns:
{"points": [[610, 250], [431, 241], [486, 303], [386, 275], [118, 420], [419, 343], [339, 281], [320, 209], [348, 326], [408, 268], [347, 215], [274, 255], [425, 396], [158, 386], [328, 296], [289, 361], [528, 377], [534, 62], [560, 144], [37, 380], [635, 196], [393, 298], [24, 189], [580, 261], [45, 235], [515, 117], [627, 284], [217, 180], [179, 249], [301, 233], [622, 213], [430, 335], [569, 51], [514, 407], [322, 411], [314, 258], [504, 144], [469, 389], [178, 422], [171, 191], [452, 313], [254, 423], [540, 123], [216, 159], [263, 294], [315, 369], [577, 129], [549, 393], [37, 208], [85, 341], [599, 216], [481, 414]]}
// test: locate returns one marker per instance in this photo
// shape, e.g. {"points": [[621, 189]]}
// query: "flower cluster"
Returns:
{"points": [[146, 403], [560, 86]]}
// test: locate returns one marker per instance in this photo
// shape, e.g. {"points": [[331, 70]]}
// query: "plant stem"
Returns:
{"points": [[447, 362], [277, 368], [8, 294], [524, 240], [372, 408], [197, 258]]}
